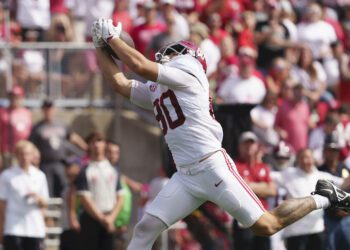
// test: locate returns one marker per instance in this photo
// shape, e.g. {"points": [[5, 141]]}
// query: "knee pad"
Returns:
{"points": [[150, 224]]}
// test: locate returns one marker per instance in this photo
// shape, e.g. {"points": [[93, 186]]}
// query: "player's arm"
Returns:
{"points": [[113, 74], [136, 61]]}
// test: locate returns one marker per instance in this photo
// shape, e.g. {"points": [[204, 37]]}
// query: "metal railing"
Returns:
{"points": [[65, 72]]}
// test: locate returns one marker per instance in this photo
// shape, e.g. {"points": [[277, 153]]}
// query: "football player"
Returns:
{"points": [[178, 92]]}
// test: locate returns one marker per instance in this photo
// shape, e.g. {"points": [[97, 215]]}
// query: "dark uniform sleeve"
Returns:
{"points": [[81, 182], [119, 185]]}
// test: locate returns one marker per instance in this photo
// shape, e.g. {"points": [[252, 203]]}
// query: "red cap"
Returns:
{"points": [[16, 90]]}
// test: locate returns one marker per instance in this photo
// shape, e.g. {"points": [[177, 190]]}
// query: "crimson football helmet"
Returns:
{"points": [[283, 150], [181, 48]]}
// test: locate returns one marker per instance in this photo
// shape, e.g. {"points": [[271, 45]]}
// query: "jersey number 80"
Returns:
{"points": [[163, 114]]}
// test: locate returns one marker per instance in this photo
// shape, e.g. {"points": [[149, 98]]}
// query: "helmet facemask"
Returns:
{"points": [[163, 55]]}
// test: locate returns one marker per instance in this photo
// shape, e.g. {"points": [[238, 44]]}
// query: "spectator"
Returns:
{"points": [[263, 120], [70, 222], [199, 34], [346, 25], [244, 88], [282, 157], [330, 16], [99, 190], [51, 137], [257, 176], [180, 24], [228, 10], [271, 36], [341, 239], [77, 11], [58, 7], [216, 33], [288, 19], [15, 124], [318, 135], [60, 30], [121, 14], [143, 33], [95, 9], [245, 30], [33, 15], [128, 185], [169, 35], [33, 63], [316, 33], [334, 166], [23, 196], [113, 155], [331, 68], [310, 73], [293, 116], [228, 64], [36, 157], [191, 9], [4, 37], [343, 59], [277, 75], [306, 233]]}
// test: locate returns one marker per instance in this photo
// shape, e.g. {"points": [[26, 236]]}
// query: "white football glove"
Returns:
{"points": [[108, 30], [96, 35]]}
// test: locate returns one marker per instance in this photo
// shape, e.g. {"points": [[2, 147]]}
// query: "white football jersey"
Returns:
{"points": [[182, 106]]}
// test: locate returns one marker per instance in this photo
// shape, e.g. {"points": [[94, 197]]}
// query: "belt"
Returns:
{"points": [[194, 168]]}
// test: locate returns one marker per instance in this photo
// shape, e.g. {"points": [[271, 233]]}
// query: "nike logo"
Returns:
{"points": [[217, 184], [327, 190]]}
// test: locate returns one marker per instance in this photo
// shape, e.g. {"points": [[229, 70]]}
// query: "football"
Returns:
{"points": [[126, 38]]}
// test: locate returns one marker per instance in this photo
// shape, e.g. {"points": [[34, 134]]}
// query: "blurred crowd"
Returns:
{"points": [[288, 58]]}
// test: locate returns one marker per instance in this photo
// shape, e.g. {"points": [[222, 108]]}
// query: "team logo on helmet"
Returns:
{"points": [[181, 48], [153, 87]]}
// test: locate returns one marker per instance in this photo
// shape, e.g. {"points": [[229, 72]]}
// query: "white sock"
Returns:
{"points": [[321, 201]]}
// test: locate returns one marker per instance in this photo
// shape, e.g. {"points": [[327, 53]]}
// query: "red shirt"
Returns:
{"points": [[123, 17], [245, 38], [344, 90], [218, 37], [229, 10], [258, 173], [294, 119], [58, 6], [15, 125], [226, 67], [144, 33]]}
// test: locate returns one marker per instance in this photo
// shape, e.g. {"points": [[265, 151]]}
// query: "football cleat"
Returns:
{"points": [[339, 199]]}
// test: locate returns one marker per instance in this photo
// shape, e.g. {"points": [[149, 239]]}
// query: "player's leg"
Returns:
{"points": [[325, 195], [172, 203], [146, 232], [284, 215], [240, 201]]}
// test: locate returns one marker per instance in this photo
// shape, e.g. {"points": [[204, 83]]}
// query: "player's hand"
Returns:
{"points": [[108, 30], [97, 35]]}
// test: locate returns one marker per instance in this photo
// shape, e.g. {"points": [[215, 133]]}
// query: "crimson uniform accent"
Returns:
{"points": [[242, 182], [161, 108]]}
